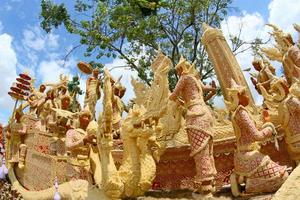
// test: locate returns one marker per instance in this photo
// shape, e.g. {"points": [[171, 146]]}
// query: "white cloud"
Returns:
{"points": [[284, 13], [36, 40], [8, 62], [49, 71], [7, 7]]}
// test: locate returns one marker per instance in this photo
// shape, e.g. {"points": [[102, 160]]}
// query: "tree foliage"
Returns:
{"points": [[134, 29]]}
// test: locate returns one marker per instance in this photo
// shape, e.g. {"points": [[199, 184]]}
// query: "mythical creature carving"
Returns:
{"points": [[285, 52], [140, 131]]}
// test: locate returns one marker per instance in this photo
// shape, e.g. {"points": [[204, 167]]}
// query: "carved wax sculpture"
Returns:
{"points": [[139, 132], [77, 143], [198, 124], [63, 122], [36, 100], [15, 132], [256, 170], [265, 74], [118, 107], [284, 52], [47, 114], [224, 62], [289, 114], [93, 92]]}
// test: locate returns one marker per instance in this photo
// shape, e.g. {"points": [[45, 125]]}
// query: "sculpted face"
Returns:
{"points": [[243, 99], [257, 65], [96, 72], [65, 103], [18, 117], [42, 88], [179, 71], [84, 120], [119, 91]]}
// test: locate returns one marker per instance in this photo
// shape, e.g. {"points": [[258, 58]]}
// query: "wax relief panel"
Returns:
{"points": [[37, 174], [42, 143]]}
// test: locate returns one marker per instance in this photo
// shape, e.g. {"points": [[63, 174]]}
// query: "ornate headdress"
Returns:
{"points": [[183, 64], [295, 88], [85, 111], [278, 88], [233, 91]]}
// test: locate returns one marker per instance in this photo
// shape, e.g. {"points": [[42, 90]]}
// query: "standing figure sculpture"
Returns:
{"points": [[36, 100], [256, 170], [118, 107], [265, 74], [198, 124], [77, 142], [93, 92], [15, 134]]}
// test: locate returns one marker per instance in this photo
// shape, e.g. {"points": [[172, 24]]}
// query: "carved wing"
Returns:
{"points": [[141, 91], [272, 53]]}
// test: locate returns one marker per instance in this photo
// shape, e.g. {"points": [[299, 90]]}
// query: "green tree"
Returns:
{"points": [[134, 29]]}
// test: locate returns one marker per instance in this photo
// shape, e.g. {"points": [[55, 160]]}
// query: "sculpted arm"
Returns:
{"points": [[249, 127], [210, 89], [295, 105], [179, 86]]}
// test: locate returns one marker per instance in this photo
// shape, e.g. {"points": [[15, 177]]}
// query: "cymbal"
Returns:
{"points": [[85, 67], [22, 86], [23, 81], [16, 95], [25, 76]]}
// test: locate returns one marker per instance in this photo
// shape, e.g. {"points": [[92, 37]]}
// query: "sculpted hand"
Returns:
{"points": [[213, 87], [265, 115], [254, 81], [89, 139], [172, 97]]}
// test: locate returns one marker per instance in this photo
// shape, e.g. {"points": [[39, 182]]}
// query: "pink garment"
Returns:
{"points": [[262, 174], [198, 123]]}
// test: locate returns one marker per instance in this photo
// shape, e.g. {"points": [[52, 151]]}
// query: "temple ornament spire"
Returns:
{"points": [[223, 60]]}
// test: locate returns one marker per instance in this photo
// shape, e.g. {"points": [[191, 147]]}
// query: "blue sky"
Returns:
{"points": [[25, 46]]}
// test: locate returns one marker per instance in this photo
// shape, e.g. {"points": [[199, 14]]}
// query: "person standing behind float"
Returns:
{"points": [[198, 124]]}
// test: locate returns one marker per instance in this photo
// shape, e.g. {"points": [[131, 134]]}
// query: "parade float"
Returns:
{"points": [[56, 149]]}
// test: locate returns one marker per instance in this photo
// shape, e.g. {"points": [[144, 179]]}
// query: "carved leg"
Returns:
{"points": [[235, 187], [23, 150], [205, 170]]}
